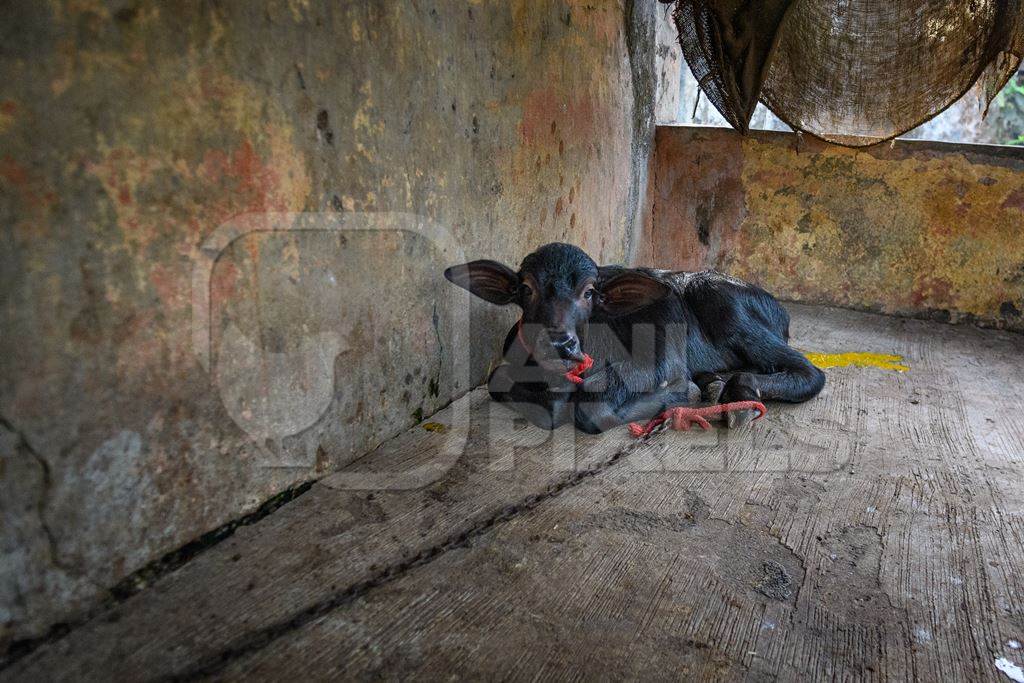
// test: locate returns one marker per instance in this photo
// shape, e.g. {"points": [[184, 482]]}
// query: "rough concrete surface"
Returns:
{"points": [[917, 228], [143, 403], [872, 533]]}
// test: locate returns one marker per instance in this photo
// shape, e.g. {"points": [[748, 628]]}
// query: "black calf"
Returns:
{"points": [[658, 339]]}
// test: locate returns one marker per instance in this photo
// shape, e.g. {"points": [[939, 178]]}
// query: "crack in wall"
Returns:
{"points": [[42, 501]]}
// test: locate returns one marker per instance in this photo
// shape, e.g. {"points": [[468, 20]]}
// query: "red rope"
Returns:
{"points": [[519, 336], [573, 375], [683, 418]]}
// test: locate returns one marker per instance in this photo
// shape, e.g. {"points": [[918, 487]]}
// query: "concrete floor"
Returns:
{"points": [[875, 532]]}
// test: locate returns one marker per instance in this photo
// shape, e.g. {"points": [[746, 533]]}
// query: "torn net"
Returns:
{"points": [[853, 72]]}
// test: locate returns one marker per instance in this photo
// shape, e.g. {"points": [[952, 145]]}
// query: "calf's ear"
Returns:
{"points": [[489, 280], [630, 291]]}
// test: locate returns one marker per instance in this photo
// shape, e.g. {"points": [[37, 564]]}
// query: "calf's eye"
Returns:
{"points": [[588, 294], [525, 291]]}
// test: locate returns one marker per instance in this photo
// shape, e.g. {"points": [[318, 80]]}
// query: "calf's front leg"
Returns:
{"points": [[544, 405], [600, 414]]}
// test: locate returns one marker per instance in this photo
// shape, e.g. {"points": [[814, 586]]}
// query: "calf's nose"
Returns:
{"points": [[567, 345]]}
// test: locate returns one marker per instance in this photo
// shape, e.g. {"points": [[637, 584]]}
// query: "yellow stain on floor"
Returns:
{"points": [[436, 427], [883, 361]]}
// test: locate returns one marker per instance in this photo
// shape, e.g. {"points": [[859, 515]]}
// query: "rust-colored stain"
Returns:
{"points": [[435, 427], [858, 359], [8, 110], [545, 107], [33, 191], [1015, 200], [920, 229]]}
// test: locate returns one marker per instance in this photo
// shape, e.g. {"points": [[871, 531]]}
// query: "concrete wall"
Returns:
{"points": [[921, 229], [129, 131]]}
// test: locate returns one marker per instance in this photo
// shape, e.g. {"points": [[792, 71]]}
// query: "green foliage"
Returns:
{"points": [[1006, 114], [1012, 89]]}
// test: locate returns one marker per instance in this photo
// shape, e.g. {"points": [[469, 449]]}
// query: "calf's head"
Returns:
{"points": [[558, 288]]}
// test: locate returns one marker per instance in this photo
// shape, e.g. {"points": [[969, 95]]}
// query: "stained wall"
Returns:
{"points": [[176, 346], [917, 228]]}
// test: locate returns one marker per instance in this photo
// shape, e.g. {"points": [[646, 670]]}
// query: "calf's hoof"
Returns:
{"points": [[741, 387], [713, 392]]}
